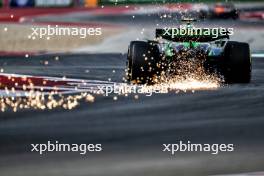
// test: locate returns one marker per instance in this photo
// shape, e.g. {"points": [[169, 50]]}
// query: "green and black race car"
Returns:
{"points": [[147, 60]]}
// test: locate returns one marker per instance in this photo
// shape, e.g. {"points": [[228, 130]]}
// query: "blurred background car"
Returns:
{"points": [[224, 10]]}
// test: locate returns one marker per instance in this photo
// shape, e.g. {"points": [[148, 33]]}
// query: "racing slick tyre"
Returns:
{"points": [[142, 62], [237, 67]]}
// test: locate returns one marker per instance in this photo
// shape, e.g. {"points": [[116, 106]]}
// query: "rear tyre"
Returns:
{"points": [[237, 68], [142, 62]]}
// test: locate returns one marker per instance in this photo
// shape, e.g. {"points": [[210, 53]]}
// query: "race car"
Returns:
{"points": [[224, 10], [207, 11], [148, 60]]}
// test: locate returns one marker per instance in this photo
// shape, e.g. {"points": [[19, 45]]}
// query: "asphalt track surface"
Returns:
{"points": [[131, 130]]}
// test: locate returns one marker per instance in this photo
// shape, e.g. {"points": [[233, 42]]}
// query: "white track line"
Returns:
{"points": [[257, 55]]}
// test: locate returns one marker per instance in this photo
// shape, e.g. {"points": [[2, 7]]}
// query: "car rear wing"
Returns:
{"points": [[192, 34]]}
